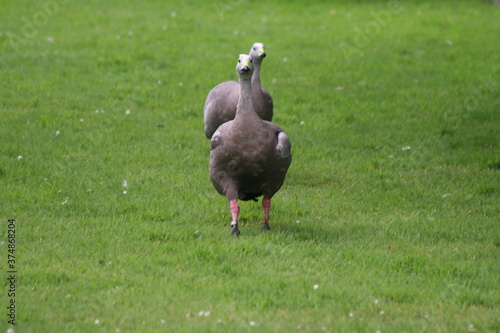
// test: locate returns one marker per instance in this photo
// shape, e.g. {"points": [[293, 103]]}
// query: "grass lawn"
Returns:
{"points": [[389, 217]]}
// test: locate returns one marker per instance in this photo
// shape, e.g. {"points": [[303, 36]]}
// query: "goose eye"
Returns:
{"points": [[254, 48], [239, 60]]}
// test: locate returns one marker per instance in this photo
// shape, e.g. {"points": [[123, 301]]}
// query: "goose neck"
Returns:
{"points": [[256, 75], [245, 100]]}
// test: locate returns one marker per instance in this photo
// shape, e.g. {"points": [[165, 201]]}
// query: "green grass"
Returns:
{"points": [[396, 239]]}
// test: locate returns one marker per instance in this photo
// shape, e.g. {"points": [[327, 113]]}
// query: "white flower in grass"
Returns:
{"points": [[81, 120], [252, 323], [163, 321], [285, 59], [316, 286], [65, 202], [164, 27], [97, 321], [125, 183], [351, 314], [339, 88], [50, 39], [382, 312], [204, 313], [471, 328], [376, 301], [125, 192], [173, 14], [127, 112], [406, 148], [302, 122], [117, 36], [58, 132], [449, 42], [117, 330], [10, 330], [20, 157]]}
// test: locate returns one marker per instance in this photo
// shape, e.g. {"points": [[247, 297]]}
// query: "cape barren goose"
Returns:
{"points": [[220, 105], [249, 157]]}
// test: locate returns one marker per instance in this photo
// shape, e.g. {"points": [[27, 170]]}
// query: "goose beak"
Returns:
{"points": [[261, 52], [245, 65]]}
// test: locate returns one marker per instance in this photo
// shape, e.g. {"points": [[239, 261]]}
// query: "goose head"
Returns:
{"points": [[258, 52], [244, 66]]}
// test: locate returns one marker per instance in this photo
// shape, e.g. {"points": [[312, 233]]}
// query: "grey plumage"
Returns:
{"points": [[249, 157], [220, 105]]}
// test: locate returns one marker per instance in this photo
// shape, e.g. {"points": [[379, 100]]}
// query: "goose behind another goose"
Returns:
{"points": [[220, 105]]}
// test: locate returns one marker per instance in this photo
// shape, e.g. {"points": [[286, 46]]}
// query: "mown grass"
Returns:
{"points": [[390, 207]]}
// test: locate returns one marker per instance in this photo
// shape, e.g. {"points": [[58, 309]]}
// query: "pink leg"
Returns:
{"points": [[266, 204], [235, 209]]}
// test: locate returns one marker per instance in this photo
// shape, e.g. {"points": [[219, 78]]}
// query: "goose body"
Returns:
{"points": [[220, 105], [249, 157]]}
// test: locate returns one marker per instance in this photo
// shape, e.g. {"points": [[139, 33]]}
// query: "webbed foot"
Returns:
{"points": [[265, 226], [235, 231]]}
